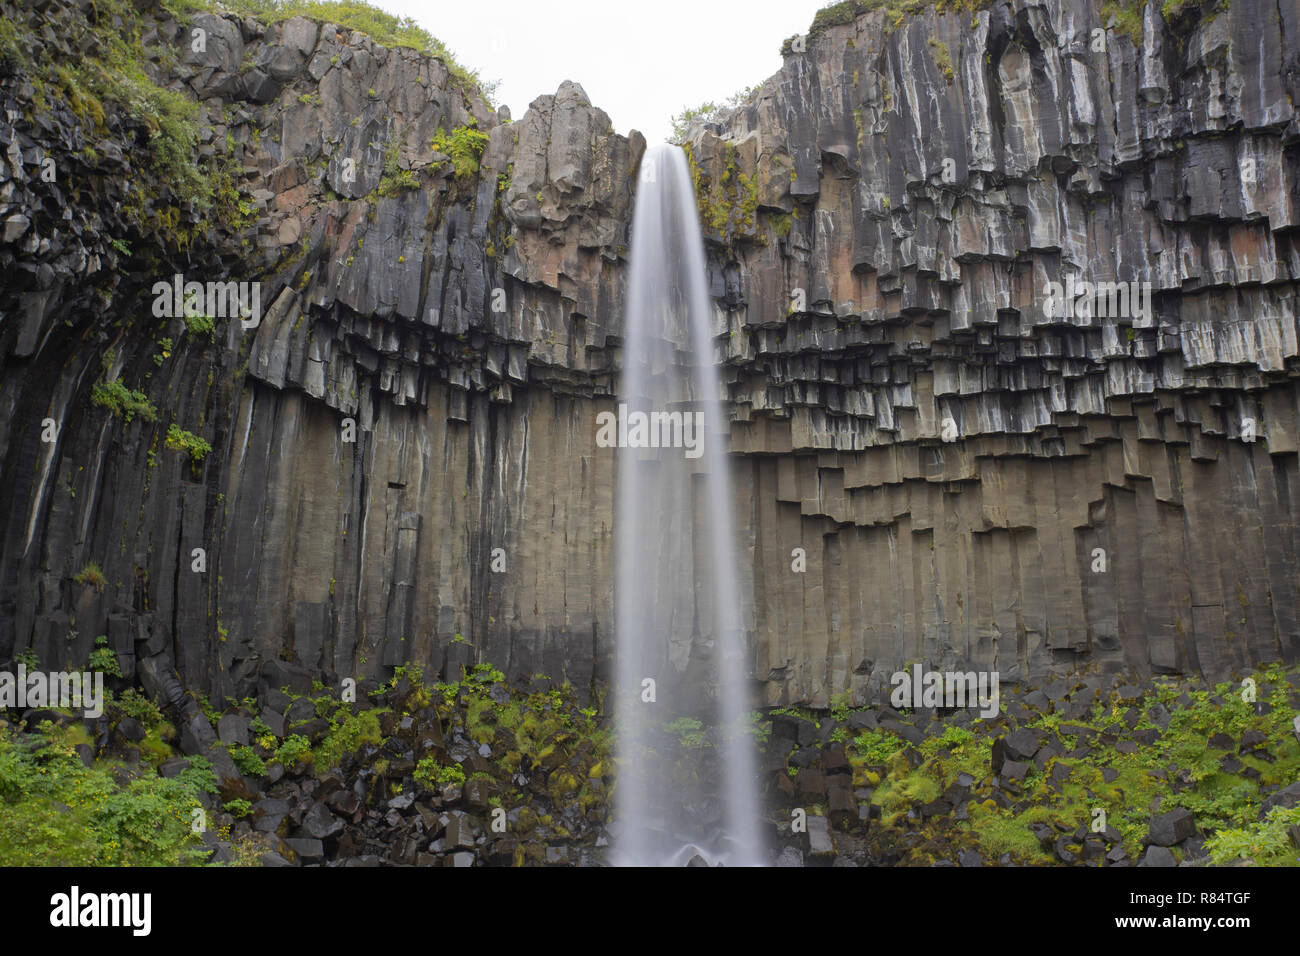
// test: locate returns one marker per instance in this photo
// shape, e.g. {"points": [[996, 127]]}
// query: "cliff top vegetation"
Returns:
{"points": [[382, 27]]}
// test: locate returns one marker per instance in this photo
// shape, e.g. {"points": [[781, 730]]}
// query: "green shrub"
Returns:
{"points": [[103, 659], [123, 401], [707, 112], [59, 812], [178, 439], [238, 807], [294, 749], [348, 735], [482, 675], [465, 146], [247, 760], [201, 325], [132, 703], [1267, 843], [877, 746]]}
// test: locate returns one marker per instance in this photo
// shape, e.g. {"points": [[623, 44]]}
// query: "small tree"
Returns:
{"points": [[708, 112]]}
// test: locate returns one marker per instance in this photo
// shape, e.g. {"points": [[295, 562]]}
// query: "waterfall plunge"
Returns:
{"points": [[678, 598]]}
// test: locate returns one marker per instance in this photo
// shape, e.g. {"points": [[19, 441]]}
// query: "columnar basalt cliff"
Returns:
{"points": [[1117, 492], [440, 327]]}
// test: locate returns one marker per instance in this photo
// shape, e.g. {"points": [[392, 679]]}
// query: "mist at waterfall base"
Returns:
{"points": [[686, 759]]}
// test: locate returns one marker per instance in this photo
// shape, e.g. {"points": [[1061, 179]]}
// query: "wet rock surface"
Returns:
{"points": [[972, 479]]}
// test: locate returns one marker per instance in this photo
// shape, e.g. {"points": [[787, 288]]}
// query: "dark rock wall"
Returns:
{"points": [[474, 410], [471, 414], [941, 174]]}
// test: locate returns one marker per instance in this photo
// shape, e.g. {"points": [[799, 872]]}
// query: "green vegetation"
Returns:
{"points": [[396, 180], [112, 70], [294, 749], [165, 346], [201, 325], [92, 576], [896, 11], [429, 773], [132, 703], [942, 58], [59, 812], [951, 738], [186, 197], [1127, 16], [238, 807], [248, 761], [123, 401], [103, 659], [1267, 843], [178, 439], [729, 206], [1170, 767], [876, 747], [707, 112], [688, 731], [465, 145], [1173, 10], [348, 733]]}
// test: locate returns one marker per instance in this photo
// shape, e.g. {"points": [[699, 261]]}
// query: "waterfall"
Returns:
{"points": [[683, 711]]}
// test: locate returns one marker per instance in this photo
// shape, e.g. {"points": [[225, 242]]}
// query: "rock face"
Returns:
{"points": [[980, 478], [418, 393], [403, 446]]}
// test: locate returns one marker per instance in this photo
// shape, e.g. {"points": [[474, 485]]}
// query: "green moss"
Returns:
{"points": [[480, 720], [1127, 17], [156, 747], [781, 223], [1001, 832], [114, 72], [902, 791], [942, 58], [728, 207]]}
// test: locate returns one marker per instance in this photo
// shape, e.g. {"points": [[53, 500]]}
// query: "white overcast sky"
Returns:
{"points": [[640, 62]]}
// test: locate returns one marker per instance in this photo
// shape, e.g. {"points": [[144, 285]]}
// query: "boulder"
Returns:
{"points": [[1171, 828]]}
